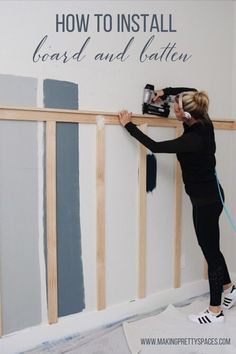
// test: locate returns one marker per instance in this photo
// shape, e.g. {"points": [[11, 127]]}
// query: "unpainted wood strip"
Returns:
{"points": [[1, 323], [51, 222], [100, 183], [75, 116], [142, 217], [177, 222], [227, 125], [89, 117]]}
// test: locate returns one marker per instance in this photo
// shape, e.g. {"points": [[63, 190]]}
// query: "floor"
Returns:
{"points": [[124, 337]]}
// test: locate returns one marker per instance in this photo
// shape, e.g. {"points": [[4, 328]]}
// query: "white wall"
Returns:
{"points": [[204, 30], [226, 163], [234, 66]]}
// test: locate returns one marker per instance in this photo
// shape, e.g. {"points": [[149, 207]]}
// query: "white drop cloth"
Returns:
{"points": [[192, 338]]}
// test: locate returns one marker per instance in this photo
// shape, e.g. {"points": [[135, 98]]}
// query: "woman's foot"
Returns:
{"points": [[229, 297], [207, 317]]}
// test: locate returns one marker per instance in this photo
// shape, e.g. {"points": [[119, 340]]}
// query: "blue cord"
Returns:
{"points": [[224, 206]]}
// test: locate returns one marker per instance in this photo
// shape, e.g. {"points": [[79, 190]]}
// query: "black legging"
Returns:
{"points": [[206, 224]]}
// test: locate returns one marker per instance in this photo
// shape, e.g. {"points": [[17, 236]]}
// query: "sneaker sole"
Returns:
{"points": [[220, 320]]}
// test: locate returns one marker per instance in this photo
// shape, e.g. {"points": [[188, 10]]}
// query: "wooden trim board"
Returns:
{"points": [[177, 221], [79, 116], [142, 217], [51, 221], [100, 183]]}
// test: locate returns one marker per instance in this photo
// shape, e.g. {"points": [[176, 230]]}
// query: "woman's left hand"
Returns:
{"points": [[124, 117]]}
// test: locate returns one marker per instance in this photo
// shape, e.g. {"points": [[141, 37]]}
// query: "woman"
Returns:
{"points": [[195, 151]]}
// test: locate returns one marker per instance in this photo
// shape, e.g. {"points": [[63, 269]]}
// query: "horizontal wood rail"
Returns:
{"points": [[51, 117], [78, 116]]}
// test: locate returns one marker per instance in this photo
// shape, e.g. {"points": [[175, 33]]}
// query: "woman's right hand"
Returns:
{"points": [[158, 94]]}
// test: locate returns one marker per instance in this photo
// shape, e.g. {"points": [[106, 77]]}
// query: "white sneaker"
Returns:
{"points": [[207, 317], [229, 299]]}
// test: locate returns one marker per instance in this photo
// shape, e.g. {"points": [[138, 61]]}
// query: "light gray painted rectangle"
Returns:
{"points": [[19, 235]]}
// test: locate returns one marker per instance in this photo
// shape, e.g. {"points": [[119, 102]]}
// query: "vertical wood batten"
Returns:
{"points": [[51, 221], [142, 217], [177, 221], [1, 324], [100, 186]]}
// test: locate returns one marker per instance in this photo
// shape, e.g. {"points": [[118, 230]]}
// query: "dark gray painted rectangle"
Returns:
{"points": [[64, 95]]}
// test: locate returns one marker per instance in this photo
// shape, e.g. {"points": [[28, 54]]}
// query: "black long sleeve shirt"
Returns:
{"points": [[195, 151], [176, 90]]}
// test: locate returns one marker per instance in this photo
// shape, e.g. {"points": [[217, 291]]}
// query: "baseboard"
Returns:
{"points": [[85, 321]]}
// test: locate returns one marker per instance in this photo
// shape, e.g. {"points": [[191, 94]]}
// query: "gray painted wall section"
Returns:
{"points": [[59, 94], [19, 238]]}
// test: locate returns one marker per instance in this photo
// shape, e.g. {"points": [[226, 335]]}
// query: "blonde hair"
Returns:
{"points": [[196, 103]]}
